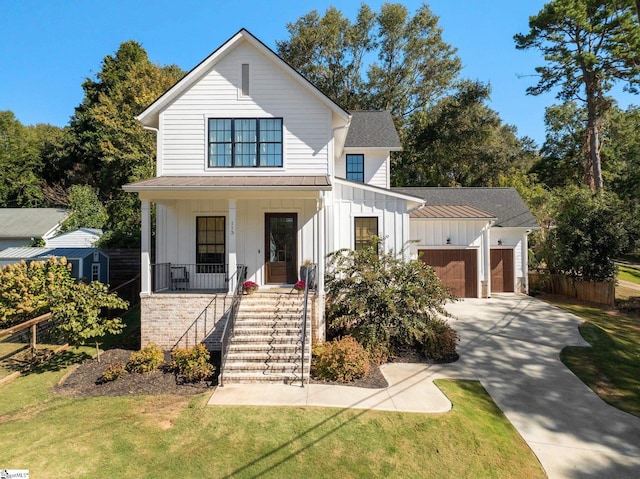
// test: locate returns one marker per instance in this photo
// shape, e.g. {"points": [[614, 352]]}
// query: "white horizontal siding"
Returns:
{"points": [[306, 121], [462, 233], [376, 167]]}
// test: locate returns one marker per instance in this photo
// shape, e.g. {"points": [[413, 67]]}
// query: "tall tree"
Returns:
{"points": [[414, 66], [460, 142], [588, 46], [329, 51], [21, 161], [108, 146]]}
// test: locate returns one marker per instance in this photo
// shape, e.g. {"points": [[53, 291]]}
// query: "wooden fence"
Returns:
{"points": [[124, 273], [590, 291]]}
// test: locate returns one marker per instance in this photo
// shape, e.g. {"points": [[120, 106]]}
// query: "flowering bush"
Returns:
{"points": [[299, 286], [249, 286]]}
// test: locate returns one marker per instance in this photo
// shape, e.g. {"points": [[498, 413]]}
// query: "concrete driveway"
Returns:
{"points": [[511, 343]]}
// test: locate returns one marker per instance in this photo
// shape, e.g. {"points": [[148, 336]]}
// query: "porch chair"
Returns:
{"points": [[179, 278]]}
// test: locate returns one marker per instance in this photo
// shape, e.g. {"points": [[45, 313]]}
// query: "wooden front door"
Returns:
{"points": [[502, 271], [457, 268], [281, 247]]}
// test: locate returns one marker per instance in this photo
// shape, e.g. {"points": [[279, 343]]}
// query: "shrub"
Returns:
{"points": [[249, 287], [340, 360], [380, 299], [146, 360], [192, 363], [113, 372], [439, 340]]}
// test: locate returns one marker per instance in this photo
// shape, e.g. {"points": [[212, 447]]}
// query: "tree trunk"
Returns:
{"points": [[593, 137]]}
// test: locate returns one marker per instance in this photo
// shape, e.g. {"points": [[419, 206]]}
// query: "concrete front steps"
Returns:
{"points": [[267, 343]]}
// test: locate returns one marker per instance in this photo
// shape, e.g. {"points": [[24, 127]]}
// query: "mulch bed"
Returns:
{"points": [[83, 381]]}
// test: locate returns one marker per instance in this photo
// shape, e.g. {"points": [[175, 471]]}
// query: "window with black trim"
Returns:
{"points": [[245, 142], [365, 229], [210, 244], [355, 168]]}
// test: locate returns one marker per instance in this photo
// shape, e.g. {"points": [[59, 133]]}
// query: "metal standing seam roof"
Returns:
{"points": [[372, 129], [29, 222], [505, 204], [231, 182], [450, 212]]}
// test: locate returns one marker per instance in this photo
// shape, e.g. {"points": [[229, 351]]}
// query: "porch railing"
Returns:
{"points": [[227, 333], [310, 272], [168, 277]]}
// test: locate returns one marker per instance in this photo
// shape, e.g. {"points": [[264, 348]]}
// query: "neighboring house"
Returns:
{"points": [[257, 167], [475, 238], [20, 226], [80, 238], [87, 264]]}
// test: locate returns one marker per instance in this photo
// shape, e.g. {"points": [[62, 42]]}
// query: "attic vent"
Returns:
{"points": [[245, 79]]}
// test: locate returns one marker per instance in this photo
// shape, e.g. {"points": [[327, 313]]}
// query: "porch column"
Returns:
{"points": [[145, 249], [486, 245], [233, 261], [322, 241]]}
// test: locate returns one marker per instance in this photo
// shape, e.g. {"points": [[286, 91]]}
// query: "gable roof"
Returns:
{"points": [[504, 204], [80, 238], [149, 117], [30, 222], [372, 129]]}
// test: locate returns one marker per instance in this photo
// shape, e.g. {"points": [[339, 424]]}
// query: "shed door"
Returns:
{"points": [[457, 268], [502, 271]]}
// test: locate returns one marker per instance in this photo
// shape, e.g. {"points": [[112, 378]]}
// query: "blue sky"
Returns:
{"points": [[48, 48]]}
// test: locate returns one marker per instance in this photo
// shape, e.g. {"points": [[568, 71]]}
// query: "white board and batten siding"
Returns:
{"points": [[176, 240], [516, 239], [307, 123], [346, 202]]}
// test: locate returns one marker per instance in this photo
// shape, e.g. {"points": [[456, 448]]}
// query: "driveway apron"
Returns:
{"points": [[511, 343]]}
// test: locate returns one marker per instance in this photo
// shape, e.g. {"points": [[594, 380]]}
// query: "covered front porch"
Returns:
{"points": [[206, 226]]}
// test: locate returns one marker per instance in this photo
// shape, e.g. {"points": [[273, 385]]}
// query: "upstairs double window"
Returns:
{"points": [[245, 142]]}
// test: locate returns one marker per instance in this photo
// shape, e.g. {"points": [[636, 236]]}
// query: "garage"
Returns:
{"points": [[502, 271], [457, 268]]}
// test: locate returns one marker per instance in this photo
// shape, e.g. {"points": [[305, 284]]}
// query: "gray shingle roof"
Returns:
{"points": [[504, 203], [29, 222], [372, 129]]}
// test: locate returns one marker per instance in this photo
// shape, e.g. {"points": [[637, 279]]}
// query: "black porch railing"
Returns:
{"points": [[227, 333], [175, 277], [309, 275]]}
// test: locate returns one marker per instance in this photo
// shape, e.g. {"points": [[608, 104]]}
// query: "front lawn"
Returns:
{"points": [[626, 273], [171, 436], [611, 366]]}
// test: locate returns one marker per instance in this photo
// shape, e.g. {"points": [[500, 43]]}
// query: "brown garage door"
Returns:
{"points": [[502, 271], [457, 268]]}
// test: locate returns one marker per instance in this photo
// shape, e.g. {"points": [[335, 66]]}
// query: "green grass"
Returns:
{"points": [[168, 436], [627, 273], [611, 366]]}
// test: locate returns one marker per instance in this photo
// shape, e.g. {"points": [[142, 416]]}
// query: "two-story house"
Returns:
{"points": [[256, 167]]}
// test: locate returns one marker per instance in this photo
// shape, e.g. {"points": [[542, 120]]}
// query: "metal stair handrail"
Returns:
{"points": [[227, 333]]}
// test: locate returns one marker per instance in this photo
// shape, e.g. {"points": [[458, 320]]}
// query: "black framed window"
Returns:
{"points": [[355, 168], [245, 142], [365, 229], [210, 244]]}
